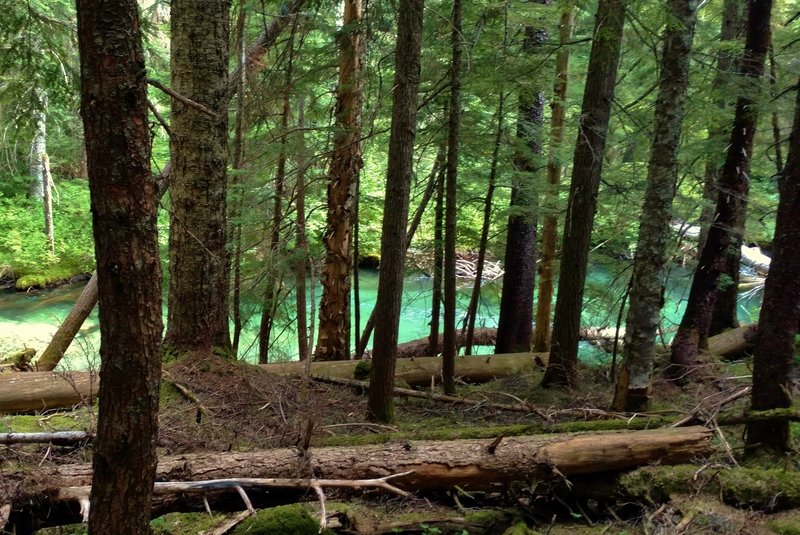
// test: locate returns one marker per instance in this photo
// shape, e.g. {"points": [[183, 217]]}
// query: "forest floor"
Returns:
{"points": [[212, 405]]}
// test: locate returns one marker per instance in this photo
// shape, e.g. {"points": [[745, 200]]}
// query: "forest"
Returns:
{"points": [[409, 266]]}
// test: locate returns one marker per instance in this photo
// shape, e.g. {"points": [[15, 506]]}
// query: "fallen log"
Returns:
{"points": [[733, 342], [53, 437], [38, 391], [469, 464], [34, 391]]}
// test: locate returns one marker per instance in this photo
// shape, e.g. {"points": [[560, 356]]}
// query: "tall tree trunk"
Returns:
{"points": [[38, 145], [731, 30], [433, 179], [380, 405], [302, 240], [515, 323], [449, 349], [238, 164], [438, 262], [780, 312], [123, 196], [726, 232], [541, 335], [83, 307], [198, 285], [334, 308], [582, 204], [274, 282], [647, 286], [47, 201], [472, 308]]}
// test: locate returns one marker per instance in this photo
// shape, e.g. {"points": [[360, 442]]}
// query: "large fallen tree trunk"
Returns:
{"points": [[34, 391], [473, 464]]}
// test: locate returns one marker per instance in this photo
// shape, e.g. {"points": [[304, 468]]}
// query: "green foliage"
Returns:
{"points": [[24, 252]]}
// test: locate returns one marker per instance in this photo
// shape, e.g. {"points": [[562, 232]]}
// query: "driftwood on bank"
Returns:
{"points": [[35, 391], [469, 464]]}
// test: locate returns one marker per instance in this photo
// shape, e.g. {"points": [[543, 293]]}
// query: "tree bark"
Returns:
{"points": [[334, 308], [469, 464], [380, 405], [38, 145], [434, 342], [582, 203], [47, 201], [514, 325], [647, 288], [780, 311], [198, 285], [302, 240], [726, 234], [541, 335], [449, 350], [124, 209]]}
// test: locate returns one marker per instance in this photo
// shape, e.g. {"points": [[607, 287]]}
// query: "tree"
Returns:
{"points": [[334, 308], [515, 324], [541, 335], [380, 405], [123, 197], [198, 266], [728, 228], [780, 311], [449, 349], [647, 286], [587, 166]]}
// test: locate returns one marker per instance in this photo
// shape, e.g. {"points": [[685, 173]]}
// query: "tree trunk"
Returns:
{"points": [[38, 145], [780, 312], [434, 180], [514, 325], [776, 123], [380, 405], [69, 327], [647, 287], [582, 203], [449, 274], [274, 282], [198, 285], [266, 39], [124, 209], [471, 464], [472, 308], [541, 335], [238, 164], [434, 345], [302, 240], [47, 188], [334, 308], [725, 236], [731, 30]]}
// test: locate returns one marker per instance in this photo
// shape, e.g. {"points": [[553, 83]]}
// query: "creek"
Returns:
{"points": [[29, 319]]}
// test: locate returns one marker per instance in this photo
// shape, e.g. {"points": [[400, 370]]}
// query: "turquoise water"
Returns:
{"points": [[29, 319]]}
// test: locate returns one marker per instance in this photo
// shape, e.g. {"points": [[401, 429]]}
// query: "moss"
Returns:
{"points": [[285, 520], [184, 523], [70, 529], [520, 528], [362, 371], [50, 276], [768, 489], [785, 524], [27, 423]]}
